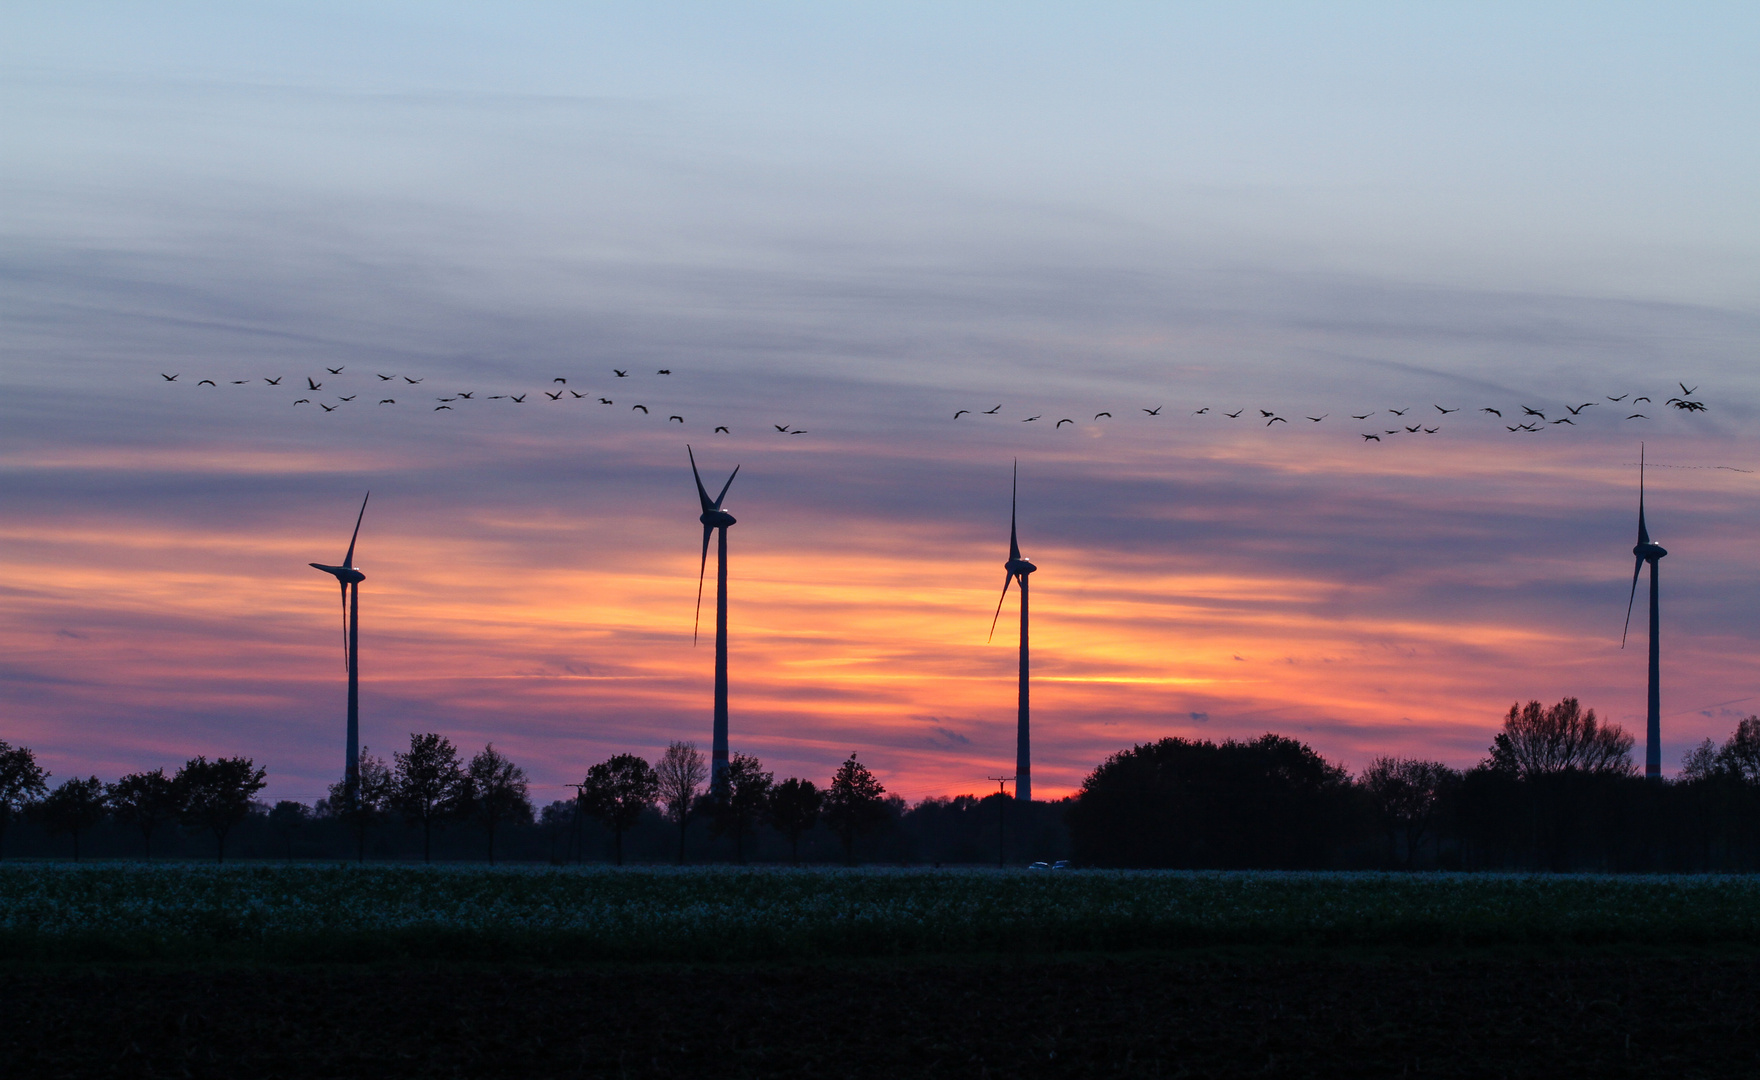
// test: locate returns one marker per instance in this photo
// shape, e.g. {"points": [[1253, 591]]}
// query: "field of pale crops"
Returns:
{"points": [[389, 913]]}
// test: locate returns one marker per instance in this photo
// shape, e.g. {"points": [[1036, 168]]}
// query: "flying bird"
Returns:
{"points": [[1030, 419], [240, 382], [387, 401], [209, 382], [517, 399], [1533, 412], [1365, 416], [313, 384], [437, 408], [169, 378], [1431, 430], [557, 396], [560, 380], [276, 381], [1393, 431], [1275, 420], [350, 397], [723, 431], [1156, 411], [664, 371], [303, 401], [620, 374], [1638, 399], [1444, 411], [335, 370], [1262, 412], [411, 381], [1062, 422], [992, 412], [781, 427], [1512, 428], [326, 408], [466, 394], [1371, 438], [1565, 420], [445, 399], [961, 413], [798, 431], [1319, 418], [644, 409], [577, 394], [1098, 415], [1414, 428], [1494, 412], [1234, 415], [1400, 412], [1637, 416], [1201, 412], [1684, 389], [1578, 410], [1622, 397], [606, 401], [680, 419], [385, 378]]}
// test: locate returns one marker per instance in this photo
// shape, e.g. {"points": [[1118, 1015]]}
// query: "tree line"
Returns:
{"points": [[1557, 790]]}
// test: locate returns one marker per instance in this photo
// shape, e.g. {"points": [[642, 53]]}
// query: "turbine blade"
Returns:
{"points": [[1643, 532], [1637, 568], [702, 568], [344, 624], [1014, 547], [702, 493], [348, 559], [725, 486], [998, 614]]}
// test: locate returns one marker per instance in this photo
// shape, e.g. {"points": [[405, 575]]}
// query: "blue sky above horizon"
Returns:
{"points": [[856, 219]]}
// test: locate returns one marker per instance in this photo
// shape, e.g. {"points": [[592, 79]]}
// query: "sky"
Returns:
{"points": [[853, 221]]}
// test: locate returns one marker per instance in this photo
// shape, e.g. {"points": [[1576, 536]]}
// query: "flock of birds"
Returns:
{"points": [[408, 385], [1528, 419]]}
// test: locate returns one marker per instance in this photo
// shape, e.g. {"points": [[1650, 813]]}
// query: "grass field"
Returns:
{"points": [[310, 913]]}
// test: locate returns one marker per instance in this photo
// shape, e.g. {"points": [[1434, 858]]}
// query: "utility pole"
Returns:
{"points": [[574, 838], [1002, 783]]}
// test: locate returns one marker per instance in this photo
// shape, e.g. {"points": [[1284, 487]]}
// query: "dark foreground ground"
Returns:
{"points": [[1142, 1015]]}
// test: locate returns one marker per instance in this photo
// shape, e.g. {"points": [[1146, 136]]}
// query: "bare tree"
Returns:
{"points": [[72, 808], [740, 797], [145, 800], [1738, 757], [494, 792], [792, 809], [21, 784], [216, 795], [682, 771], [425, 785], [1538, 741], [854, 803], [1406, 792], [618, 791]]}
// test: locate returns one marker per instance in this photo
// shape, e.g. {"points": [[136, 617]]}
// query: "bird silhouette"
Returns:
{"points": [[1319, 418], [517, 399], [1622, 397], [1638, 399], [1236, 415], [240, 382], [1565, 420], [1201, 412], [1400, 412], [385, 378], [387, 401], [577, 394], [1579, 409], [1687, 392], [723, 431], [169, 378], [209, 382], [1262, 412], [303, 401], [644, 409], [961, 413], [326, 408], [312, 384], [620, 374], [335, 370], [275, 381], [411, 381], [1431, 430], [664, 371], [992, 412], [1371, 438], [1687, 406], [1156, 411], [437, 408], [606, 401], [1444, 411], [1392, 431], [1414, 428], [1098, 415], [557, 396], [1030, 419], [466, 394], [680, 419], [797, 431], [1494, 412], [1512, 428], [350, 397], [1637, 416], [1530, 426], [1533, 412], [781, 427], [1062, 422], [445, 399], [1275, 420], [1365, 416], [560, 380]]}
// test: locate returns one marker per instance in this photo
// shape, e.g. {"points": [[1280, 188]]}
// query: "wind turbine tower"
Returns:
{"points": [[1018, 568], [350, 578], [1648, 551], [715, 518]]}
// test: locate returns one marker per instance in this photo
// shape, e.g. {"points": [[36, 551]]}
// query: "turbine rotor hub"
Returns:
{"points": [[1649, 552], [348, 575], [1019, 567], [718, 519]]}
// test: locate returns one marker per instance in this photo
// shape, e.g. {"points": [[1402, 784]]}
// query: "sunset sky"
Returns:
{"points": [[855, 220]]}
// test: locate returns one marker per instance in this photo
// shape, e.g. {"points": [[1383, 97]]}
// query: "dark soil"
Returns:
{"points": [[1163, 1015]]}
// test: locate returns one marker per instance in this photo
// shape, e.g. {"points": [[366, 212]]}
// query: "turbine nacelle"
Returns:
{"points": [[347, 575], [1019, 566], [717, 518], [1649, 551]]}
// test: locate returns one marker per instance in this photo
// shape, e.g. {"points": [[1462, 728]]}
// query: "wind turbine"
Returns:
{"points": [[1018, 568], [713, 518], [350, 579], [1648, 551]]}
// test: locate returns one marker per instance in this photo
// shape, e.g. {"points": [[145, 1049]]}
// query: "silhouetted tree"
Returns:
{"points": [[285, 819], [373, 791], [495, 792], [740, 798], [1738, 757], [1538, 741], [1405, 793], [854, 804], [618, 791], [1266, 804], [145, 800], [21, 784], [682, 771], [792, 809], [216, 795], [425, 785], [72, 808]]}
